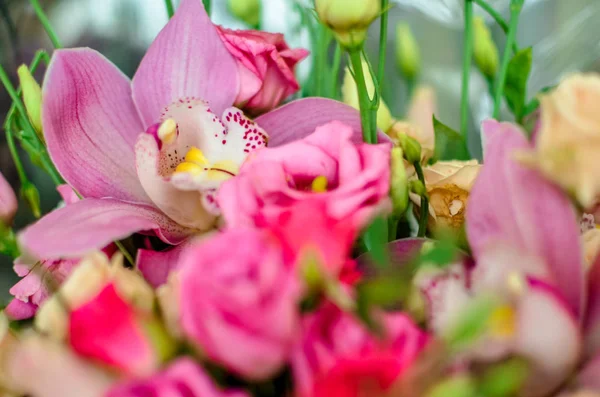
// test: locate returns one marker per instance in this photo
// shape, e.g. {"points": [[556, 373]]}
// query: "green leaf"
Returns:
{"points": [[384, 291], [441, 254], [504, 379], [456, 386], [472, 323], [515, 88], [449, 144], [375, 239]]}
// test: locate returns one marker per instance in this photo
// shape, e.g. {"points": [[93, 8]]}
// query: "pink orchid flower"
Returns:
{"points": [[183, 377], [338, 356], [8, 202], [163, 180], [524, 235], [352, 179]]}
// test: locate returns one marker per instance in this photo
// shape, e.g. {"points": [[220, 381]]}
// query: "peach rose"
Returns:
{"points": [[448, 185], [568, 142]]}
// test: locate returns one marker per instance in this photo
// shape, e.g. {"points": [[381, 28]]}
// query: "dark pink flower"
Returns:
{"points": [[266, 68]]}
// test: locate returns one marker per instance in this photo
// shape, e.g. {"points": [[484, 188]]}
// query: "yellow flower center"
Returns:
{"points": [[196, 163], [502, 322], [167, 132], [319, 184]]}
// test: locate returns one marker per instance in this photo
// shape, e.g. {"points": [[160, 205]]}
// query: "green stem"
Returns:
{"points": [[424, 215], [45, 23], [207, 6], [170, 8], [467, 60], [382, 42], [125, 253], [393, 228], [363, 94], [501, 79], [498, 18], [335, 70], [15, 156]]}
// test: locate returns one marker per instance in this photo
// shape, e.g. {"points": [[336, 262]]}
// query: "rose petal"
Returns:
{"points": [[90, 125], [187, 58], [513, 205], [90, 224], [300, 118], [155, 266]]}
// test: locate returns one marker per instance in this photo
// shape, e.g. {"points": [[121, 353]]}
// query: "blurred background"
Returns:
{"points": [[565, 36]]}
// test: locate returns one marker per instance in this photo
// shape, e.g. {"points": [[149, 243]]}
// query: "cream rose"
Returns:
{"points": [[568, 141], [448, 185]]}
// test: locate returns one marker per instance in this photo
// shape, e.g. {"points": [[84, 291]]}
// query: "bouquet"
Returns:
{"points": [[218, 238]]}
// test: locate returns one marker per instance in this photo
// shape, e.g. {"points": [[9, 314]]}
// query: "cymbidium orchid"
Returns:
{"points": [[163, 180], [8, 202]]}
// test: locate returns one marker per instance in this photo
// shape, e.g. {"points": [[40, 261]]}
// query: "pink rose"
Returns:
{"points": [[182, 378], [265, 66], [352, 179], [238, 301], [8, 202], [338, 356]]}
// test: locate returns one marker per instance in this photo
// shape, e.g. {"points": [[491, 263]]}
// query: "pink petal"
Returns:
{"points": [[67, 194], [548, 335], [90, 224], [8, 202], [106, 329], [155, 266], [19, 310], [90, 124], [300, 118], [592, 320], [514, 206], [187, 59], [589, 376]]}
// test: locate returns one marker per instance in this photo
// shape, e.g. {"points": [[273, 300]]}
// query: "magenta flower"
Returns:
{"points": [[163, 181], [238, 301], [110, 330], [352, 179], [338, 356], [8, 202], [266, 68], [182, 378]]}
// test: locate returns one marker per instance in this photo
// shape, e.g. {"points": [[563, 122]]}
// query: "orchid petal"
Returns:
{"points": [[553, 354], [90, 224], [187, 59], [514, 206], [8, 201], [90, 125], [155, 266], [300, 118]]}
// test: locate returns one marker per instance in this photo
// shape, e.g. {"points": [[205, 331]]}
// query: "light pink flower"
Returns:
{"points": [[110, 330], [238, 301], [181, 95], [8, 202], [338, 356], [266, 68], [182, 378], [357, 178]]}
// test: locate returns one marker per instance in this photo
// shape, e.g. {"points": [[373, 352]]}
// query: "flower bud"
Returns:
{"points": [[417, 187], [349, 19], [350, 97], [31, 195], [485, 51], [399, 183], [408, 55], [32, 98], [411, 147], [245, 10]]}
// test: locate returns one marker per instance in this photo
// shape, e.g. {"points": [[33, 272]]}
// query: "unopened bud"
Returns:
{"points": [[245, 10], [349, 19], [8, 202], [408, 55], [485, 51], [350, 97], [417, 187], [399, 183], [411, 147], [31, 195], [32, 98]]}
